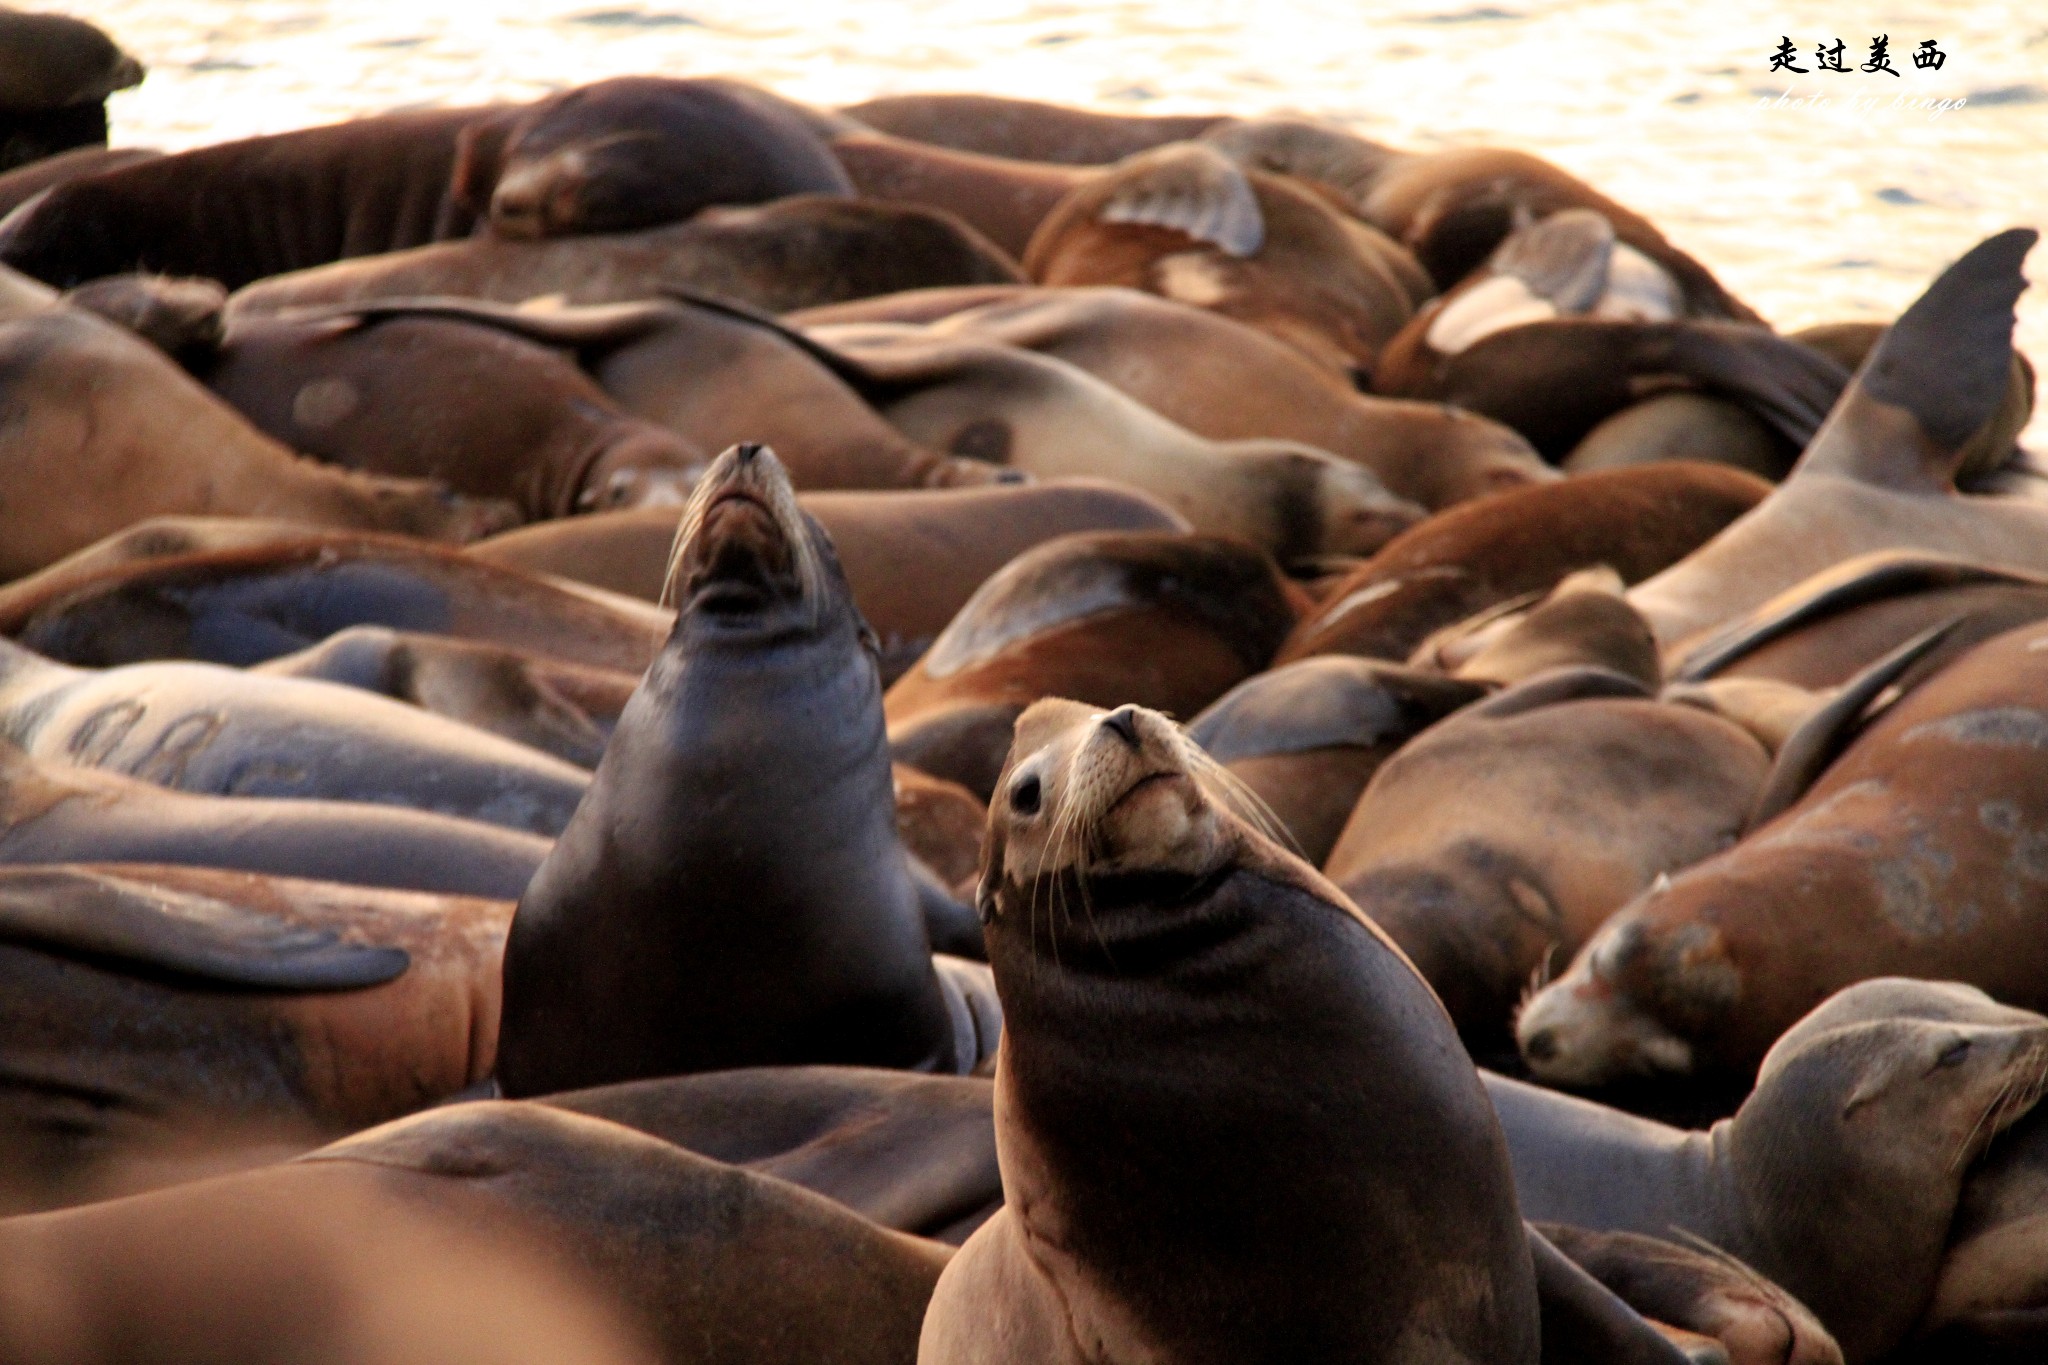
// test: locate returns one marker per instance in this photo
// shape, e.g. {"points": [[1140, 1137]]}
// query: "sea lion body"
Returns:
{"points": [[1025, 129], [31, 178], [1003, 199]]}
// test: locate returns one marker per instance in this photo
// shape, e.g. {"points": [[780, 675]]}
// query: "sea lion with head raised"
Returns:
{"points": [[1917, 851], [732, 891], [1177, 1186], [1838, 1177], [799, 252]]}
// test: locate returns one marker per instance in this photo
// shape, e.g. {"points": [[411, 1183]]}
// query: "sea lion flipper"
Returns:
{"points": [[1190, 188], [1947, 361], [1788, 385], [1808, 750], [102, 917], [1556, 686], [1563, 258], [1584, 1320]]}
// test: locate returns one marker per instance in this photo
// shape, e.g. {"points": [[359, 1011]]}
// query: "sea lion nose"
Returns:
{"points": [[1124, 722], [1540, 1046], [747, 452]]}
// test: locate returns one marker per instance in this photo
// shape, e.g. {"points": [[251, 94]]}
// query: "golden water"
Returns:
{"points": [[1810, 212]]}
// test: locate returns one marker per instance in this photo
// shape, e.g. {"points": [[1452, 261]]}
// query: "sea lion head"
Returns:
{"points": [[639, 465], [638, 151], [1092, 797], [748, 563], [1597, 1023]]}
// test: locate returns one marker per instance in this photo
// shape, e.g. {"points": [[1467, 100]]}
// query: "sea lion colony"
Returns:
{"points": [[591, 753]]}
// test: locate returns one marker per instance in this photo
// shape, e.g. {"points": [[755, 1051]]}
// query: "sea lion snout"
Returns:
{"points": [[1584, 1030], [538, 199]]}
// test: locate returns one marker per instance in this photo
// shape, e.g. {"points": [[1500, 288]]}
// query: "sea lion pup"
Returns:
{"points": [[1871, 1109], [912, 558], [1481, 554], [110, 431], [487, 413], [1027, 130], [799, 252], [1180, 946], [637, 151], [1188, 223], [56, 812], [221, 731], [55, 75], [239, 211], [1452, 208], [748, 777], [1498, 840], [158, 1017], [1879, 475], [1173, 621], [1224, 380], [243, 590], [1912, 852], [1307, 737], [557, 707], [1031, 412]]}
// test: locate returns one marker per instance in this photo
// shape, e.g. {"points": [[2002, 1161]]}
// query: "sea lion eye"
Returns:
{"points": [[1953, 1054], [1025, 795]]}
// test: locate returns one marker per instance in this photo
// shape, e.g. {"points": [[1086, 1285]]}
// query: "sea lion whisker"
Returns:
{"points": [[1237, 794]]}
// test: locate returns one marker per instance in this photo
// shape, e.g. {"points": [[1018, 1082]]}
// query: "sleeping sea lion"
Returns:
{"points": [[1025, 129]]}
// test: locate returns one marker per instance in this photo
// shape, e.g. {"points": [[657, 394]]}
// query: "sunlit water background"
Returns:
{"points": [[1810, 212]]}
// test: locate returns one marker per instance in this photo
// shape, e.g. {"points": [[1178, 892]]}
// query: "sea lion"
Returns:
{"points": [[1224, 380], [636, 151], [1839, 1175], [1186, 222], [55, 75], [488, 414], [767, 696], [1027, 130], [220, 731], [110, 431], [1683, 425], [1991, 1301], [939, 821], [1172, 621], [1913, 852], [56, 812], [1583, 622], [1305, 738], [180, 317], [239, 211], [1031, 412], [1476, 556], [913, 559], [155, 1014], [794, 253], [1199, 960], [242, 590], [1500, 838], [1004, 200], [557, 707], [31, 178], [1879, 475]]}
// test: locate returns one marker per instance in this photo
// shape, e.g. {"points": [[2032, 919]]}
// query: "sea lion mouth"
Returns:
{"points": [[742, 547], [1145, 783]]}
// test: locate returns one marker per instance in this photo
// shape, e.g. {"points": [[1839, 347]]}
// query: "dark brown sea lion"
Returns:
{"points": [[1499, 839], [732, 891], [55, 75], [637, 151], [488, 414], [109, 431], [238, 211], [1165, 1198], [1037, 414], [1188, 223], [241, 591], [1227, 381], [1879, 475], [1307, 737], [153, 1014], [1171, 621], [1004, 200], [31, 178], [220, 731], [1839, 1176], [1025, 129], [795, 253], [560, 708], [1915, 851], [57, 812], [912, 558], [1475, 556]]}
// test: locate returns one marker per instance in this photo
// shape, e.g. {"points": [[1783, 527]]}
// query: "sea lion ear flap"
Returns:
{"points": [[988, 878], [1808, 750], [1187, 187], [1947, 361], [479, 161]]}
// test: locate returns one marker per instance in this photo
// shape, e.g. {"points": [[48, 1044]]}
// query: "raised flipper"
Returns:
{"points": [[1307, 150], [99, 916], [1809, 749], [1187, 187], [1323, 701], [1563, 258], [1938, 375], [1557, 686]]}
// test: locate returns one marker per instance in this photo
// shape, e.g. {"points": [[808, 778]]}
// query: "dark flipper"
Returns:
{"points": [[130, 924], [1585, 1323]]}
